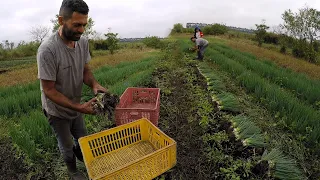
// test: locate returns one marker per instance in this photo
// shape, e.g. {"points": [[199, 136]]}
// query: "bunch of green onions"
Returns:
{"points": [[246, 131], [227, 101], [282, 166]]}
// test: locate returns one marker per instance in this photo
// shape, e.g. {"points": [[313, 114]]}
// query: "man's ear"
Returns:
{"points": [[60, 20]]}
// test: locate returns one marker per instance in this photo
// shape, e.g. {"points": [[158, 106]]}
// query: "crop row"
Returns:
{"points": [[32, 133], [303, 87], [28, 98], [298, 116]]}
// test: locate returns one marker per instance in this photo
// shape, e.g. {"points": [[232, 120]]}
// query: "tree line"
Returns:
{"points": [[10, 50], [300, 32]]}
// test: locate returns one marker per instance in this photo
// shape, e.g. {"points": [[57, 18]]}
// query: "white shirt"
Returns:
{"points": [[198, 35]]}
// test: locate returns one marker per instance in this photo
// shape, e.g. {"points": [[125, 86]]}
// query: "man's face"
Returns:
{"points": [[193, 39], [74, 27]]}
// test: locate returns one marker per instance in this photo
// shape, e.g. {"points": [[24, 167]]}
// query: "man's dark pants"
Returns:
{"points": [[201, 51], [65, 130]]}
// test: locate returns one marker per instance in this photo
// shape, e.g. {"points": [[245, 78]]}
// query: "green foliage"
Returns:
{"points": [[215, 29], [153, 42], [177, 28], [33, 135], [55, 23], [303, 49], [303, 87], [283, 49], [231, 172], [271, 38], [304, 26], [247, 131], [214, 83], [23, 49], [261, 32], [282, 167], [112, 41], [227, 101], [89, 32], [298, 116], [21, 103]]}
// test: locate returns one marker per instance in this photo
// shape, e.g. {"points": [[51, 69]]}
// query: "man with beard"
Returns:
{"points": [[62, 62]]}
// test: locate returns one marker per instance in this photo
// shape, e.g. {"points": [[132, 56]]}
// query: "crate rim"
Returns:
{"points": [[127, 124], [157, 102]]}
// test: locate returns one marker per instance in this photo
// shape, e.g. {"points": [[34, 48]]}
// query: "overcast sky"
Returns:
{"points": [[140, 18]]}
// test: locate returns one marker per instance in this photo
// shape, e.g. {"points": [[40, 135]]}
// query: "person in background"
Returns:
{"points": [[63, 68], [201, 45], [197, 32]]}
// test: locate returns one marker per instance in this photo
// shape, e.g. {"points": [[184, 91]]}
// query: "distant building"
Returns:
{"points": [[193, 25], [132, 39]]}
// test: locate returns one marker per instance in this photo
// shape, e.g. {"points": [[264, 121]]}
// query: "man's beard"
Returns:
{"points": [[70, 35]]}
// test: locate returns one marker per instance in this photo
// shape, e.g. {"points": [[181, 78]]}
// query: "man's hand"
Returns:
{"points": [[58, 98], [99, 89], [89, 80], [87, 108]]}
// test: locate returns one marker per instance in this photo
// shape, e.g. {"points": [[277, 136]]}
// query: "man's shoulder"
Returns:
{"points": [[48, 44], [83, 40]]}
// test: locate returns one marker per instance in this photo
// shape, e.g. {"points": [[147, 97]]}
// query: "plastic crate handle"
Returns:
{"points": [[134, 113]]}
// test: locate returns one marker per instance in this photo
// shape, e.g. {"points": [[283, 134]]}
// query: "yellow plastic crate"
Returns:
{"points": [[137, 150]]}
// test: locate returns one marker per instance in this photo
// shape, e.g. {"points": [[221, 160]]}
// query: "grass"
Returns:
{"points": [[29, 74], [32, 133], [284, 60], [11, 64], [302, 86], [299, 117], [21, 101], [275, 134]]}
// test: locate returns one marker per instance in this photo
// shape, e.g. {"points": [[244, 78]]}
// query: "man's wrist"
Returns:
{"points": [[95, 84], [76, 107]]}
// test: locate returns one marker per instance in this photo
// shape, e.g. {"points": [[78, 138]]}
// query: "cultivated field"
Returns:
{"points": [[234, 115]]}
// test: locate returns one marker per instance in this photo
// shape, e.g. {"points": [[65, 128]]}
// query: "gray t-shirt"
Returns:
{"points": [[64, 65], [201, 42]]}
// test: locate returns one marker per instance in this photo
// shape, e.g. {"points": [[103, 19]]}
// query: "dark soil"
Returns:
{"points": [[3, 71], [261, 169], [180, 120], [11, 167]]}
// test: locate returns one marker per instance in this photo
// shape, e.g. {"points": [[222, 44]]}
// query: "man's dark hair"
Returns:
{"points": [[192, 38], [69, 6]]}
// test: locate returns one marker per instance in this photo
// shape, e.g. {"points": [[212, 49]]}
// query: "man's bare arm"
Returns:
{"points": [[90, 81], [58, 98], [88, 77]]}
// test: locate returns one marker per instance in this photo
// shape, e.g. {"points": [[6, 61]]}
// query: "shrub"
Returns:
{"points": [[261, 33], [271, 38], [112, 41], [153, 42], [177, 28], [283, 49], [216, 29], [219, 29]]}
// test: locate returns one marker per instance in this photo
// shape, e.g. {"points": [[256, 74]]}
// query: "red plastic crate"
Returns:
{"points": [[136, 103]]}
